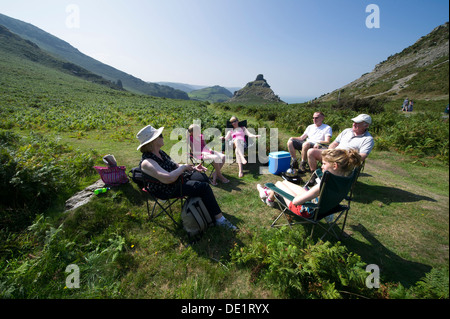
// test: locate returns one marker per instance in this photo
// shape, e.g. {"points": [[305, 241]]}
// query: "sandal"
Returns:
{"points": [[224, 180]]}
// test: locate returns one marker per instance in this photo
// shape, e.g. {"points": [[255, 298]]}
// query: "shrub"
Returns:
{"points": [[419, 136], [298, 268], [34, 171], [433, 286], [368, 106], [44, 274]]}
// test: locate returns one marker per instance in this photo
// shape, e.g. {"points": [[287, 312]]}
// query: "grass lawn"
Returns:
{"points": [[398, 221]]}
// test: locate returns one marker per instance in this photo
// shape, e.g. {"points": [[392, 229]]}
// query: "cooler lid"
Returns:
{"points": [[280, 154]]}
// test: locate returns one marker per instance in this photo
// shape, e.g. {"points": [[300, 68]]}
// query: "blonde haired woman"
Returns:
{"points": [[237, 134], [339, 162]]}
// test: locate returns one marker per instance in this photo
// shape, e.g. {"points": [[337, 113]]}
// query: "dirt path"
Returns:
{"points": [[387, 173]]}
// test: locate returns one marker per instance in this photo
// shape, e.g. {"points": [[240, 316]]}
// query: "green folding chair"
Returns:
{"points": [[333, 190]]}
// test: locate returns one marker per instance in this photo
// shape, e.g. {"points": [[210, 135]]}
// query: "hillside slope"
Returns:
{"points": [[12, 44], [64, 50], [420, 71], [211, 94]]}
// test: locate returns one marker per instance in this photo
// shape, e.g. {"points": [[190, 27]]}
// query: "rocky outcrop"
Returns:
{"points": [[83, 196], [257, 91]]}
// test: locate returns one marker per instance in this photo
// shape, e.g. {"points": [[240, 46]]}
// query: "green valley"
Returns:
{"points": [[57, 122]]}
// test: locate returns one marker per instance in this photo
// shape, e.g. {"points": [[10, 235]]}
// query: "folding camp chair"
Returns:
{"points": [[333, 190], [240, 124], [248, 144], [160, 206]]}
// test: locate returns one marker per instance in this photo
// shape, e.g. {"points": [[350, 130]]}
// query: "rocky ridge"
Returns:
{"points": [[257, 91]]}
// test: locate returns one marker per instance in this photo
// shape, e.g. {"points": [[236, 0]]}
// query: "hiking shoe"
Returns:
{"points": [[226, 223], [294, 164], [302, 168]]}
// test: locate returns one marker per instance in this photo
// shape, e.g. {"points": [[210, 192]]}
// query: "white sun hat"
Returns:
{"points": [[148, 134]]}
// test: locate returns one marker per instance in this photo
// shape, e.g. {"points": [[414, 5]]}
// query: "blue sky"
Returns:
{"points": [[304, 48]]}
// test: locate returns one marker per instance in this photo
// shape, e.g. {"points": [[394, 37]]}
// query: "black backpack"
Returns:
{"points": [[196, 218]]}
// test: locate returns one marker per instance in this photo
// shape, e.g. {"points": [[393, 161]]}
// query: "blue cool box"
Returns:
{"points": [[279, 162]]}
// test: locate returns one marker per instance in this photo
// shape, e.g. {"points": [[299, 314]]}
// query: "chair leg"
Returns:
{"points": [[330, 228], [279, 216], [148, 209], [283, 208], [165, 210], [343, 225], [312, 230], [212, 171]]}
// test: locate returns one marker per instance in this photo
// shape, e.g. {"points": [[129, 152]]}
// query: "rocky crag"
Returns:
{"points": [[257, 91]]}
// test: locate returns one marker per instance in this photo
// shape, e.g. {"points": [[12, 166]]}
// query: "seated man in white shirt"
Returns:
{"points": [[357, 137], [316, 135]]}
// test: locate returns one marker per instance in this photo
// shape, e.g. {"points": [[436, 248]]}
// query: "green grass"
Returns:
{"points": [[398, 220]]}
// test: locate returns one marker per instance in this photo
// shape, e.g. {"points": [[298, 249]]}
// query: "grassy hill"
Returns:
{"points": [[191, 87], [55, 126], [182, 86], [13, 45], [420, 71], [211, 94], [65, 51]]}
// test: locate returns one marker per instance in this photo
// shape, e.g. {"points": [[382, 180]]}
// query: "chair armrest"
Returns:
{"points": [[288, 196], [279, 191]]}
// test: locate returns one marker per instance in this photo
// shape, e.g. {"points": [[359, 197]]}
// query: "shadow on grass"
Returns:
{"points": [[366, 194], [215, 243], [393, 268], [249, 169]]}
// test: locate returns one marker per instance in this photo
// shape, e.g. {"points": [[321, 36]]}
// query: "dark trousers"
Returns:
{"points": [[196, 186]]}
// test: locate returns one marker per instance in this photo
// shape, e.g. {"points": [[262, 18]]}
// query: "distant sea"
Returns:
{"points": [[296, 99]]}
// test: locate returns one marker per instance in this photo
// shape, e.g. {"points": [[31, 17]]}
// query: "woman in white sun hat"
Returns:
{"points": [[157, 164]]}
